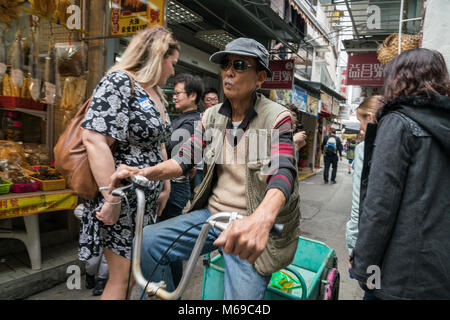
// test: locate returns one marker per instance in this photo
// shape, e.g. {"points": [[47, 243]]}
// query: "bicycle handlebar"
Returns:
{"points": [[158, 288]]}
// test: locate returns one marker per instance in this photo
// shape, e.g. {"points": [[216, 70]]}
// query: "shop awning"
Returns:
{"points": [[253, 19], [319, 87], [372, 21]]}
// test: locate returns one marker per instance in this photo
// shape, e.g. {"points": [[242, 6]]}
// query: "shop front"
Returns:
{"points": [[306, 102], [43, 82]]}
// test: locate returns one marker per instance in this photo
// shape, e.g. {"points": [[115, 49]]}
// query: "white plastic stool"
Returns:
{"points": [[30, 238]]}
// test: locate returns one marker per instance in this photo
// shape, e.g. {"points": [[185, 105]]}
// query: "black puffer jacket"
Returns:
{"points": [[404, 225]]}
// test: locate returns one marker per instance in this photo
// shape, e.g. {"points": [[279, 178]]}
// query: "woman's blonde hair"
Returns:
{"points": [[144, 56], [370, 106]]}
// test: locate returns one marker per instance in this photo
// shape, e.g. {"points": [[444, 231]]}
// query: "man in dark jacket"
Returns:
{"points": [[187, 94], [331, 147], [403, 247]]}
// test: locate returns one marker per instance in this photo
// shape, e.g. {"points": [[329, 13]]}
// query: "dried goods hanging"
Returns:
{"points": [[35, 82], [61, 12], [2, 55], [73, 93], [50, 75], [73, 97], [69, 58], [17, 62], [44, 7], [7, 89], [9, 10]]}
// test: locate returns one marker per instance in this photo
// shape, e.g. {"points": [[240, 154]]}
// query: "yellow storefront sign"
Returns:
{"points": [[131, 16], [18, 205]]}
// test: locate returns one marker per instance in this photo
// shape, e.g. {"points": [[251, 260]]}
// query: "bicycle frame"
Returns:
{"points": [[158, 288]]}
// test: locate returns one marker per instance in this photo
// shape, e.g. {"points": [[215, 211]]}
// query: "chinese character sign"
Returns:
{"points": [[18, 205], [364, 69], [131, 16], [282, 75]]}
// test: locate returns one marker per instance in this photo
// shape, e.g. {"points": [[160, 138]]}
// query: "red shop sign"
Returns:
{"points": [[282, 75], [364, 69]]}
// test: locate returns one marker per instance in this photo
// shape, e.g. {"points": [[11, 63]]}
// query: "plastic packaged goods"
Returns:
{"points": [[13, 153], [50, 75], [17, 62], [32, 153], [73, 97], [13, 126], [70, 58], [3, 61], [34, 84], [44, 157]]}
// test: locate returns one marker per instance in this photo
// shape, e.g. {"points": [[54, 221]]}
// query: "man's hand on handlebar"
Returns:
{"points": [[245, 238]]}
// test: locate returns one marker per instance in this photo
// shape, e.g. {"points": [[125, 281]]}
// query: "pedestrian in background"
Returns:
{"points": [[350, 153], [404, 222], [187, 94], [210, 98], [299, 135], [332, 153]]}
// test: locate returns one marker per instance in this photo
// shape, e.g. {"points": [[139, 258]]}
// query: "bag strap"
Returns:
{"points": [[131, 81]]}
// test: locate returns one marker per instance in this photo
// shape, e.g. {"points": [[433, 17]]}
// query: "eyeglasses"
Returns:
{"points": [[238, 65], [177, 93], [211, 99]]}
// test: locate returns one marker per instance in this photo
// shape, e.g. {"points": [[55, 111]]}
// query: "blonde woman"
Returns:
{"points": [[127, 112], [366, 113]]}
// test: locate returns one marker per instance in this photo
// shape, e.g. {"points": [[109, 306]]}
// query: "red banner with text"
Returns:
{"points": [[364, 69]]}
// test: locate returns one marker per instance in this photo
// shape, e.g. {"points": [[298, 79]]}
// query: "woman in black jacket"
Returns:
{"points": [[403, 248]]}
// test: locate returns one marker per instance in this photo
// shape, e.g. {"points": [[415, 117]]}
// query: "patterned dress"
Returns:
{"points": [[135, 122]]}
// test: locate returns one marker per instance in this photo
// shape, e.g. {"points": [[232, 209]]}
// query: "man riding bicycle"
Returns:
{"points": [[249, 169]]}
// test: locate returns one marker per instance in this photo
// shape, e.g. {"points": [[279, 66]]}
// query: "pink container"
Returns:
{"points": [[25, 187]]}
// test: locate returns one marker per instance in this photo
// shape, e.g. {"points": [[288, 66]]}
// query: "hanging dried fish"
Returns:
{"points": [[35, 83], [17, 62], [9, 10], [50, 75], [2, 55]]}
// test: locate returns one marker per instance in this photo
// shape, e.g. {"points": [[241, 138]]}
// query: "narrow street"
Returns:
{"points": [[325, 210]]}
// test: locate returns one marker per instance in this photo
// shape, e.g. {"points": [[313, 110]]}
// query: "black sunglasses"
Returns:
{"points": [[238, 65]]}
